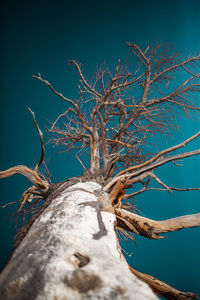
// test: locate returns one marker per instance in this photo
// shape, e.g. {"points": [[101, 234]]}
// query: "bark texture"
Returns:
{"points": [[71, 252]]}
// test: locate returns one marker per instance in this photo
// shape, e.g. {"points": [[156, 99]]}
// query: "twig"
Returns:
{"points": [[161, 153], [41, 140]]}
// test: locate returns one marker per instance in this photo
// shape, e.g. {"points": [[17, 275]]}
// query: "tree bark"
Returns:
{"points": [[71, 252]]}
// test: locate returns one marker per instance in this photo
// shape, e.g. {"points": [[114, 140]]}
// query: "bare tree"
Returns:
{"points": [[114, 120]]}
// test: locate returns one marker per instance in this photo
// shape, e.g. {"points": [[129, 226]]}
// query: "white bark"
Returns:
{"points": [[62, 256]]}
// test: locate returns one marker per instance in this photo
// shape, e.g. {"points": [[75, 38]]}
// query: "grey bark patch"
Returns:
{"points": [[21, 288], [54, 191], [83, 281], [11, 290], [116, 292], [44, 267], [83, 259]]}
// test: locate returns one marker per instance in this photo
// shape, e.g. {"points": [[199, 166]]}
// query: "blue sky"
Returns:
{"points": [[41, 36]]}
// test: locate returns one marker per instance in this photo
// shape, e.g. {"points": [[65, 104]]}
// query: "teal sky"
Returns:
{"points": [[41, 36]]}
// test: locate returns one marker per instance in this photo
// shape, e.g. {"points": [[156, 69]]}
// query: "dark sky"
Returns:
{"points": [[41, 36]]}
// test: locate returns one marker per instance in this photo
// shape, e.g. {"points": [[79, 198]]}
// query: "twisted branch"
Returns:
{"points": [[150, 228], [162, 289]]}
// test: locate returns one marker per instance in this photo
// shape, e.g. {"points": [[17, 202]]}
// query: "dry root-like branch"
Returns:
{"points": [[150, 228], [161, 153], [137, 173], [41, 140], [28, 196], [39, 188], [162, 289], [9, 203], [168, 188], [31, 175]]}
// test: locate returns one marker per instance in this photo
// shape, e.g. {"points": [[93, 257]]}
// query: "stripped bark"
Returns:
{"points": [[59, 258]]}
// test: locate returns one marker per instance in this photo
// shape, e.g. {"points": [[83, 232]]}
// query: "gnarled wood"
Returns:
{"points": [[31, 175], [163, 289], [150, 228], [117, 194]]}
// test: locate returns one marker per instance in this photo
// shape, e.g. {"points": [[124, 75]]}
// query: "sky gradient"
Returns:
{"points": [[41, 36]]}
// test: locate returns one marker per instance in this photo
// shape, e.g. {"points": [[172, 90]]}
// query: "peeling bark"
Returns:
{"points": [[60, 258]]}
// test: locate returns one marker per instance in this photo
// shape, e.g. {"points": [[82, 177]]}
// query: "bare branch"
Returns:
{"points": [[141, 55], [120, 143], [162, 289], [160, 182], [127, 83], [78, 112], [151, 229], [164, 161], [10, 203], [161, 153], [171, 188], [31, 175], [62, 115], [52, 88], [27, 196], [129, 179], [41, 140], [176, 66], [81, 162], [83, 79], [175, 93]]}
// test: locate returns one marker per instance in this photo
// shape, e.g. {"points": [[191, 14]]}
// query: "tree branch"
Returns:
{"points": [[41, 140], [161, 153], [173, 67], [52, 88], [83, 121], [171, 188], [130, 178], [162, 289], [83, 79], [150, 228], [31, 175]]}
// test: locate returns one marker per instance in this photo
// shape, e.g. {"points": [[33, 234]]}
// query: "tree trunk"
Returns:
{"points": [[71, 252]]}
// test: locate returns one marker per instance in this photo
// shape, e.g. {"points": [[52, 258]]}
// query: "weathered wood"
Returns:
{"points": [[163, 289], [151, 228], [31, 175], [62, 258]]}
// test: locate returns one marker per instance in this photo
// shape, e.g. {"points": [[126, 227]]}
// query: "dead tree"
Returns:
{"points": [[114, 119]]}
